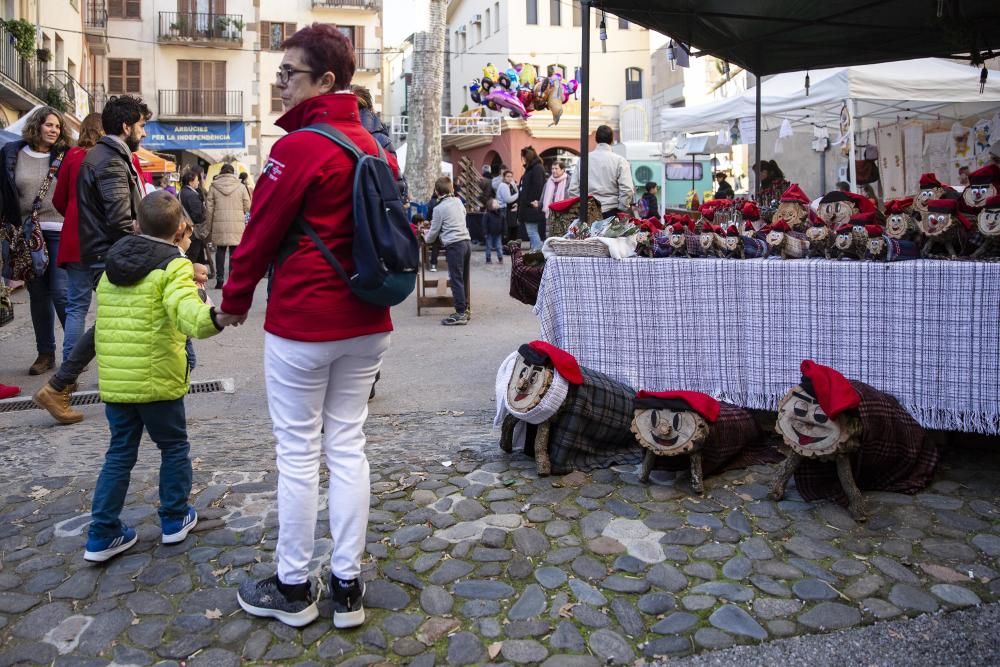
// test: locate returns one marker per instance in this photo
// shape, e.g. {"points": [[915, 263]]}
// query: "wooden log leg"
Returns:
{"points": [[542, 461], [785, 473], [697, 481], [507, 433], [855, 502], [647, 466]]}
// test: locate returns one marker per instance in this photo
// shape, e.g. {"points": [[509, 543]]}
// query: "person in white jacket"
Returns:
{"points": [[609, 176], [507, 196]]}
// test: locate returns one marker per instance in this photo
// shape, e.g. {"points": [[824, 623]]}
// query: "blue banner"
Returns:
{"points": [[187, 135]]}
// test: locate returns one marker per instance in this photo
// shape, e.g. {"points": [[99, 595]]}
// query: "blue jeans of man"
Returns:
{"points": [[533, 235], [494, 242], [47, 294], [78, 297], [166, 423]]}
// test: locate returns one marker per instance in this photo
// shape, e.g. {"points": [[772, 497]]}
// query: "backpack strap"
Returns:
{"points": [[341, 139], [304, 226]]}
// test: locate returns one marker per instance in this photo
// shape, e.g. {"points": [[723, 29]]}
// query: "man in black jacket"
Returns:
{"points": [[108, 192]]}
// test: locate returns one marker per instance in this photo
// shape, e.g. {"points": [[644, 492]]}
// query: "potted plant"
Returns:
{"points": [[54, 98], [43, 55], [23, 33]]}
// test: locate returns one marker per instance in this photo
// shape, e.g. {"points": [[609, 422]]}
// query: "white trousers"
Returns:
{"points": [[317, 394]]}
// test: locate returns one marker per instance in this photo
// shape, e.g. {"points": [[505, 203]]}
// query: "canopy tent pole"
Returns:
{"points": [[582, 165], [852, 108], [757, 140]]}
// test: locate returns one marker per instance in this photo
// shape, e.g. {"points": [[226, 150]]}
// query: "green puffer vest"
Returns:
{"points": [[147, 305]]}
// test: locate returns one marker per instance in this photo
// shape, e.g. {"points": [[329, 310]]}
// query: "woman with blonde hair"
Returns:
{"points": [[79, 288], [28, 178]]}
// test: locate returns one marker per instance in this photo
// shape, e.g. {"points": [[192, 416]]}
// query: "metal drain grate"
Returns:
{"points": [[21, 403]]}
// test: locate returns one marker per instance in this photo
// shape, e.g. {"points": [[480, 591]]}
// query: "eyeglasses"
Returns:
{"points": [[285, 73]]}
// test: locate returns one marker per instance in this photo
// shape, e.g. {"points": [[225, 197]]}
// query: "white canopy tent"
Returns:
{"points": [[926, 88]]}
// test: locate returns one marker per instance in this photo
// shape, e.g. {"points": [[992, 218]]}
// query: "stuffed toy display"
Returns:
{"points": [[944, 227], [793, 208], [988, 224], [842, 436], [568, 417], [689, 430]]}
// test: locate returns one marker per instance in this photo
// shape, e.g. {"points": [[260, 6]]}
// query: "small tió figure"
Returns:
{"points": [[883, 248], [836, 208], [899, 224], [842, 436], [988, 223], [782, 243], [678, 240], [708, 240], [930, 188], [732, 244], [690, 430], [851, 241], [793, 209], [945, 227], [566, 416], [983, 184], [820, 239]]}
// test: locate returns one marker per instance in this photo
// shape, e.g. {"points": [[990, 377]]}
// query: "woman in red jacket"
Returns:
{"points": [[64, 199], [323, 344]]}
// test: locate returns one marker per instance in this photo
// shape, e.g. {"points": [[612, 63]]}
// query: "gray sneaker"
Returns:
{"points": [[456, 319], [295, 606]]}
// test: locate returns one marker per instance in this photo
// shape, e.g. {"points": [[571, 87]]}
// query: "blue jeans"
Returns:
{"points": [[494, 242], [533, 235], [78, 297], [47, 294], [166, 424]]}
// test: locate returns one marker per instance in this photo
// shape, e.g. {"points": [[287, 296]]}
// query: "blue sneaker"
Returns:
{"points": [[101, 549], [175, 530]]}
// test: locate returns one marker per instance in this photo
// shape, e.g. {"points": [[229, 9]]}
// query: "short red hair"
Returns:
{"points": [[326, 49]]}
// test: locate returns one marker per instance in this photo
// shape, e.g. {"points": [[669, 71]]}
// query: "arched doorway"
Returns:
{"points": [[568, 156], [494, 161]]}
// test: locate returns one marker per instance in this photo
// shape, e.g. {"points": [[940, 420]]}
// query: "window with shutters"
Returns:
{"points": [[124, 9], [276, 105], [201, 87], [273, 33], [124, 76], [201, 6]]}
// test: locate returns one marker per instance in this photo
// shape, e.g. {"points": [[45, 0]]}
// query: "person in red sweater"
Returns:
{"points": [[64, 199], [323, 345]]}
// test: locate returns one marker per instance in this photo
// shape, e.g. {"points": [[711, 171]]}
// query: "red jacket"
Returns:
{"points": [[311, 174], [64, 200]]}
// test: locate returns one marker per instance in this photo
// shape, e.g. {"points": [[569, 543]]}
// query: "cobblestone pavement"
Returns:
{"points": [[474, 559]]}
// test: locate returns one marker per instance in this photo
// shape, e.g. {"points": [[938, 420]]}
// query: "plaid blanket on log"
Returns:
{"points": [[734, 441], [524, 280], [592, 429], [895, 454]]}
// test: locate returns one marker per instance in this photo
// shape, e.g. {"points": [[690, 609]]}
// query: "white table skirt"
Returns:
{"points": [[925, 331]]}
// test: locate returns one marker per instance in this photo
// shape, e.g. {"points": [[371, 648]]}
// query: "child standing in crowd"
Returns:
{"points": [[448, 224], [494, 225], [147, 304]]}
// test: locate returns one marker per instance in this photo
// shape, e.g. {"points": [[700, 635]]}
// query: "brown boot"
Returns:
{"points": [[44, 362], [57, 403]]}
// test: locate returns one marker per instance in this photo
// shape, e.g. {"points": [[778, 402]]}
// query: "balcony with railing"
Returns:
{"points": [[98, 95], [368, 60], [19, 77], [201, 104], [95, 26], [195, 27], [62, 91], [347, 4]]}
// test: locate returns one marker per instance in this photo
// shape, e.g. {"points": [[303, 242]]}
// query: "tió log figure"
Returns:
{"points": [[983, 184], [930, 188], [988, 223], [793, 209], [842, 436], [688, 430], [945, 227], [899, 223]]}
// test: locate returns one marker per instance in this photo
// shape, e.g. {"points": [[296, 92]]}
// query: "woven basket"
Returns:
{"points": [[559, 223], [575, 248]]}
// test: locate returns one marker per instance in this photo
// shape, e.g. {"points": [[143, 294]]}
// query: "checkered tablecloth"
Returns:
{"points": [[926, 331]]}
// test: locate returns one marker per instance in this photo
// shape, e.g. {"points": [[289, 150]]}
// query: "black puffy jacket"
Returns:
{"points": [[532, 185], [108, 193]]}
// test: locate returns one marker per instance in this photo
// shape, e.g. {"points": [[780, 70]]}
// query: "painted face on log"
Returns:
{"points": [[669, 432], [791, 212], [731, 243], [975, 196], [843, 240], [706, 240], [775, 238], [988, 221], [935, 224], [818, 233], [898, 225], [677, 240], [528, 384], [805, 427], [877, 247], [924, 196], [835, 213]]}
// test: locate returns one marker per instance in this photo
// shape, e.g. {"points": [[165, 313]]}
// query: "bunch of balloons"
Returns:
{"points": [[520, 91]]}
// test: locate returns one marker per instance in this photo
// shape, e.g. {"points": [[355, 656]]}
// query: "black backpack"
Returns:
{"points": [[385, 251]]}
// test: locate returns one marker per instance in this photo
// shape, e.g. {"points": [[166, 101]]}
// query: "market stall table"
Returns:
{"points": [[925, 331]]}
